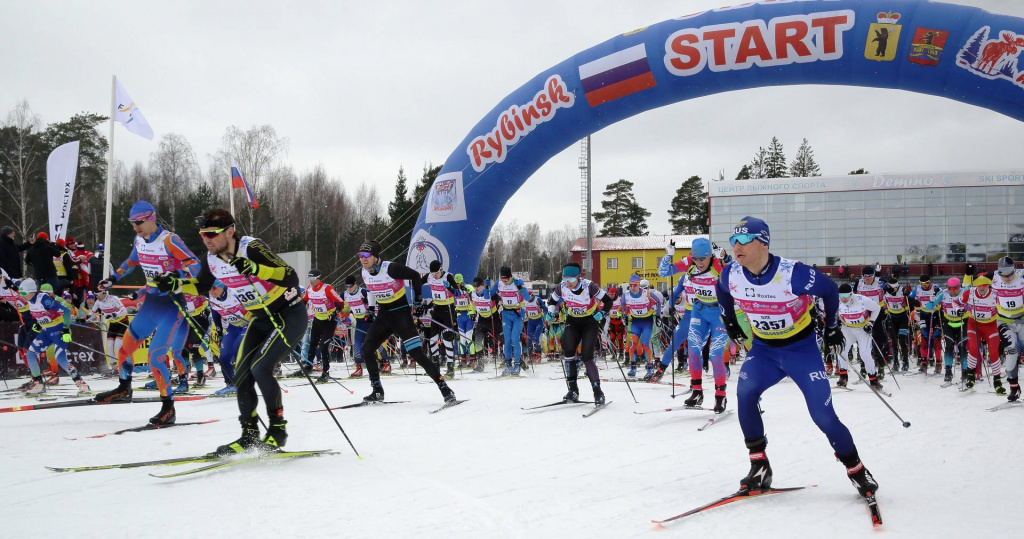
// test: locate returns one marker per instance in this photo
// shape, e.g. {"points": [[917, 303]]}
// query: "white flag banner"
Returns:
{"points": [[128, 114], [61, 169]]}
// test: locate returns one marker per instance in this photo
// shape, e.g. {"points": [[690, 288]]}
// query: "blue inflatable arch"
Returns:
{"points": [[962, 53]]}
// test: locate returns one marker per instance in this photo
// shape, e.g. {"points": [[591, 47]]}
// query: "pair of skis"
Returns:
{"points": [[592, 411], [872, 503], [145, 428], [717, 418], [90, 402], [377, 403], [216, 462]]}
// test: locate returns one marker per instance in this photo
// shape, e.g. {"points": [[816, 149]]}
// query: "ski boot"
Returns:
{"points": [[358, 372], [449, 374], [471, 364], [923, 368], [969, 382], [385, 367], [121, 393], [828, 368], [150, 385], [844, 378], [997, 384], [863, 373], [760, 476], [478, 366], [276, 436], [574, 392], [632, 370], [507, 371], [200, 378], [1014, 390], [598, 394], [36, 387], [82, 386], [859, 475], [225, 391], [938, 368], [250, 439], [873, 380], [515, 368], [696, 398], [650, 370], [324, 378], [166, 414], [906, 366], [656, 375], [948, 378], [446, 392], [720, 399], [463, 363], [182, 384], [377, 395], [52, 379], [404, 364]]}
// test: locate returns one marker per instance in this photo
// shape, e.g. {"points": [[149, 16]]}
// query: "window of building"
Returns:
{"points": [[638, 262], [613, 263]]}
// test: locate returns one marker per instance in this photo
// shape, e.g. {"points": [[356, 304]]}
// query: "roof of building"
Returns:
{"points": [[635, 243]]}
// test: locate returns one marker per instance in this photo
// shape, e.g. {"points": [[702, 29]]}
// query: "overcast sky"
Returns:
{"points": [[364, 87]]}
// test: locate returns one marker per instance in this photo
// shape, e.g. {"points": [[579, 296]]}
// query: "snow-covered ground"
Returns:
{"points": [[487, 469]]}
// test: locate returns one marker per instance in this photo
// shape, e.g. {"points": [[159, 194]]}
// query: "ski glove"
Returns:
{"points": [[732, 327], [166, 282], [245, 266], [518, 282], [599, 316], [487, 284], [834, 339], [868, 327], [66, 334]]}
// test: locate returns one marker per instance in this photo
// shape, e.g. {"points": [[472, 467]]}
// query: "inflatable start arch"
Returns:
{"points": [[958, 52]]}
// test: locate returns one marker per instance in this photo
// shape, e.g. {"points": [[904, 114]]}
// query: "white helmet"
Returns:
{"points": [[644, 283], [28, 286]]}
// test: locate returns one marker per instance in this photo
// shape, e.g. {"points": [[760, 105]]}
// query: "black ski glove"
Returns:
{"points": [[868, 327], [732, 327], [834, 340]]}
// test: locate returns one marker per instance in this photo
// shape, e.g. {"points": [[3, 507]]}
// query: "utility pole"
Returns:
{"points": [[585, 209]]}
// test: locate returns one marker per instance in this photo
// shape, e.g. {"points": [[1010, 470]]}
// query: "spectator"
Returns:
{"points": [[81, 282], [40, 256], [10, 253], [878, 268], [96, 267]]}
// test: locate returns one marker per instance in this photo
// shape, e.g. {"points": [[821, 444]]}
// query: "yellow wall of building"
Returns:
{"points": [[651, 259]]}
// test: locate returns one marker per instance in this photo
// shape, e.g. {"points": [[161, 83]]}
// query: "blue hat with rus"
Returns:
{"points": [[748, 230], [701, 247], [142, 211]]}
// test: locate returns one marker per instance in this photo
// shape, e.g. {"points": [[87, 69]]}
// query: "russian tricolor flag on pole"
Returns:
{"points": [[238, 182], [617, 75]]}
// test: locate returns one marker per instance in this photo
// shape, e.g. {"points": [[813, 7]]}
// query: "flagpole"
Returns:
{"points": [[110, 180], [231, 190]]}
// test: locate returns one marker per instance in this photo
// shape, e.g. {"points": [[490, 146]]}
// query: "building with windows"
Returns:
{"points": [[927, 223], [615, 259]]}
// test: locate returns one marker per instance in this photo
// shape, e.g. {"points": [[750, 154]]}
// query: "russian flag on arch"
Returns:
{"points": [[617, 75], [238, 182]]}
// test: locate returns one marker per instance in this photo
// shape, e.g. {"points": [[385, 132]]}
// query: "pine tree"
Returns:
{"points": [[775, 161], [860, 170], [622, 216], [803, 165], [401, 203], [744, 173], [688, 213], [756, 169]]}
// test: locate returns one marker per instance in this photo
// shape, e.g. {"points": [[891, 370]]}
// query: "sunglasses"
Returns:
{"points": [[137, 223], [364, 255], [212, 233], [742, 239]]}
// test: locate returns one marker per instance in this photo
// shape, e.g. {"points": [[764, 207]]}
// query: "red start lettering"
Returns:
{"points": [[780, 41], [518, 121]]}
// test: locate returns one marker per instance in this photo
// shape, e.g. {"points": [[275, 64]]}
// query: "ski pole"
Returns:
{"points": [[284, 339], [906, 424], [627, 383], [886, 364]]}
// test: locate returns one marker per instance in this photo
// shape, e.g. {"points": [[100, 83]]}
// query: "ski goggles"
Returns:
{"points": [[570, 281], [701, 258], [742, 239], [364, 255], [212, 233], [845, 295]]}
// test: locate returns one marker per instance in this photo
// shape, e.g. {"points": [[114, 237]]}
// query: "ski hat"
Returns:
{"points": [[980, 280], [47, 287], [868, 271], [43, 236], [90, 295], [477, 281], [459, 278], [1006, 266], [99, 248], [61, 242], [612, 290], [701, 247], [925, 278], [315, 274], [142, 211], [370, 246], [6, 230], [435, 266], [845, 288], [953, 282], [754, 226], [505, 271], [644, 283], [894, 281], [634, 279], [350, 280], [28, 286], [66, 295]]}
